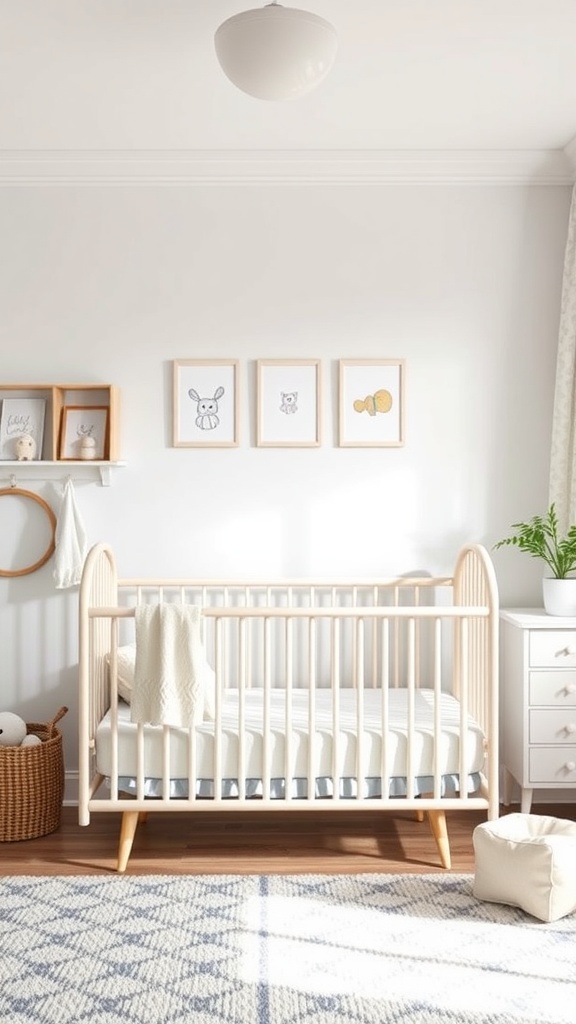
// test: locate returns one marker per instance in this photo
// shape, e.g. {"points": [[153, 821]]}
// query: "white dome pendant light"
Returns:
{"points": [[275, 52]]}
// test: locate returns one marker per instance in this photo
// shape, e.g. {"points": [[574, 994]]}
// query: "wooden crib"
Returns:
{"points": [[327, 695]]}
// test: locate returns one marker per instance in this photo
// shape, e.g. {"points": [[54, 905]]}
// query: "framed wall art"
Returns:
{"points": [[21, 416], [206, 410], [80, 422], [371, 403], [289, 403]]}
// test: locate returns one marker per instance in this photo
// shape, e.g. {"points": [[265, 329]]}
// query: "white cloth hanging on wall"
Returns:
{"points": [[563, 448], [71, 541]]}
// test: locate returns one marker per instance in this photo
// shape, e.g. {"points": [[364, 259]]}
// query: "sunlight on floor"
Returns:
{"points": [[315, 947]]}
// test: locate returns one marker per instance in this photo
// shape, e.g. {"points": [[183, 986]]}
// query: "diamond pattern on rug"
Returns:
{"points": [[363, 949]]}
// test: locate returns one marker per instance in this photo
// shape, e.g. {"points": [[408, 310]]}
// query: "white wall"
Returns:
{"points": [[111, 284]]}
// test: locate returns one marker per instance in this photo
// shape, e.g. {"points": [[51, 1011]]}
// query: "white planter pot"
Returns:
{"points": [[559, 596]]}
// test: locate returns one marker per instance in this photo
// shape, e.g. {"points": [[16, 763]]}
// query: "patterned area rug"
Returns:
{"points": [[363, 949]]}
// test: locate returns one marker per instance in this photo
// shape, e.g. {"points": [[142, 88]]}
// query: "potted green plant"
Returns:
{"points": [[540, 538]]}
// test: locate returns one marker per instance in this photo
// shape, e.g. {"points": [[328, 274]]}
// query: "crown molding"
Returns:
{"points": [[220, 167]]}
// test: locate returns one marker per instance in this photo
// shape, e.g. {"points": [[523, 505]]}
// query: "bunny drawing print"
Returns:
{"points": [[207, 409]]}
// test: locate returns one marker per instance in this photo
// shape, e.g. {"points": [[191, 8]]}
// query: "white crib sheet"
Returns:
{"points": [[421, 767]]}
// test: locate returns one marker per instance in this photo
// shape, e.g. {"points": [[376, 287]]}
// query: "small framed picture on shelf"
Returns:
{"points": [[84, 432], [22, 428], [289, 399], [371, 403], [205, 403]]}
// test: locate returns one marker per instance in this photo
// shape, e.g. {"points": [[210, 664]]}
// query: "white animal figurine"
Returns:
{"points": [[25, 448], [87, 447], [207, 409]]}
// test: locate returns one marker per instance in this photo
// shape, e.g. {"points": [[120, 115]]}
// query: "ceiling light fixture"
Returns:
{"points": [[275, 52]]}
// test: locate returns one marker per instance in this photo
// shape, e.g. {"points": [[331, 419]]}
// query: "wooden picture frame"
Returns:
{"points": [[79, 422], [289, 399], [371, 403], [21, 416], [206, 403]]}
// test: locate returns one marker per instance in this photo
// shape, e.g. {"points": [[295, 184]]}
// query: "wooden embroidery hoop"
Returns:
{"points": [[21, 493]]}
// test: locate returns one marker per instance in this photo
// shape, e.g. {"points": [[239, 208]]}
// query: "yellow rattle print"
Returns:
{"points": [[380, 401]]}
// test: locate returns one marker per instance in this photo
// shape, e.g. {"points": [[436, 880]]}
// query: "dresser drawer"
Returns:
{"points": [[555, 765], [556, 688], [553, 648], [552, 726]]}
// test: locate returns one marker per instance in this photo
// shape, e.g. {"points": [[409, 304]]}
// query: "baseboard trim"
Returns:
{"points": [[71, 789]]}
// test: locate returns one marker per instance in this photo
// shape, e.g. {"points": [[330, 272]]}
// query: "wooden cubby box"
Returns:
{"points": [[70, 397]]}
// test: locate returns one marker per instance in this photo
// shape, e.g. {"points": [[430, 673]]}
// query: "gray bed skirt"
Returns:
{"points": [[423, 785]]}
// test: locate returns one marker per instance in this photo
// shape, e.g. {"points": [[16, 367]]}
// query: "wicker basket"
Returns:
{"points": [[32, 784]]}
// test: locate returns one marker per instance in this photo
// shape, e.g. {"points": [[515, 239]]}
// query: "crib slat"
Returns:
{"points": [[114, 706], [411, 683], [311, 781], [335, 682], [166, 738], [242, 645], [464, 711], [385, 706], [359, 677], [140, 770], [289, 681], [266, 739], [374, 644], [437, 656], [220, 626]]}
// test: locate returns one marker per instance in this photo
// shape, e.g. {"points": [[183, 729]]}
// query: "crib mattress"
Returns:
{"points": [[418, 763]]}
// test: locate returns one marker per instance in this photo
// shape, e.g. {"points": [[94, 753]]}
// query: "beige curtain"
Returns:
{"points": [[563, 451]]}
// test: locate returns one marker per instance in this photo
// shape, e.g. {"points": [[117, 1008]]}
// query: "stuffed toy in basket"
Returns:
{"points": [[31, 777]]}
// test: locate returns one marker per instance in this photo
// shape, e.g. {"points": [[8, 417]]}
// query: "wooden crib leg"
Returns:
{"points": [[128, 828], [439, 830]]}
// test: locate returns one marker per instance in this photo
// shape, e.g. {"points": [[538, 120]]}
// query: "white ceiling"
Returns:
{"points": [[418, 75]]}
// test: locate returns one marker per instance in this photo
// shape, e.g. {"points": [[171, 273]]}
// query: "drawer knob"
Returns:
{"points": [[570, 766], [570, 728], [568, 650], [571, 688]]}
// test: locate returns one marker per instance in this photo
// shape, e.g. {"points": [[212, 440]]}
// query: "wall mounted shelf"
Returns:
{"points": [[65, 406], [56, 469]]}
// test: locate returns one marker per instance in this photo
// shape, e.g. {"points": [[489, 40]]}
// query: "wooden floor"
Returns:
{"points": [[257, 843]]}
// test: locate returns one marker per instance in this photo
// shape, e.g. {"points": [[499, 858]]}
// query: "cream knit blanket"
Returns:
{"points": [[170, 664]]}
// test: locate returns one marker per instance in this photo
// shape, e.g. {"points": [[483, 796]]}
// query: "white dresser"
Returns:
{"points": [[537, 701]]}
